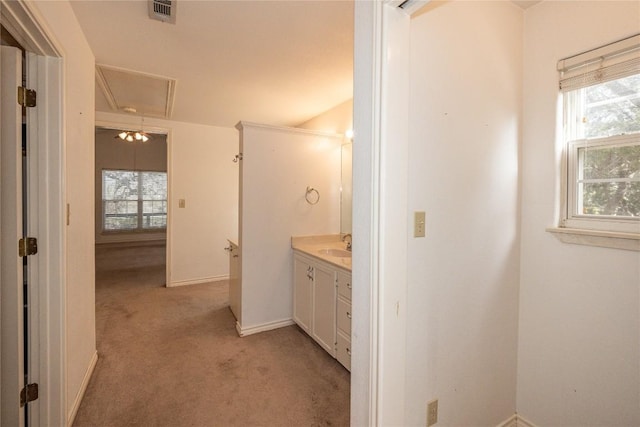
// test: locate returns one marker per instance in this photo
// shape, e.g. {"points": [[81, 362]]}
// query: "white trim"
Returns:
{"points": [[247, 125], [83, 388], [106, 90], [199, 281], [522, 422], [516, 421], [25, 24], [393, 227], [512, 421], [368, 57], [250, 330], [604, 239], [169, 228], [24, 19], [54, 268], [126, 122]]}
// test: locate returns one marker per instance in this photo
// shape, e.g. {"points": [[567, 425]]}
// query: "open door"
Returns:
{"points": [[11, 230]]}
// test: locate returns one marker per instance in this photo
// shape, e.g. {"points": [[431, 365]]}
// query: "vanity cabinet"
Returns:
{"points": [[315, 301], [343, 314], [234, 279], [322, 305]]}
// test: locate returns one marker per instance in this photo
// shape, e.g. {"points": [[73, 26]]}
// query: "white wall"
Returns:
{"points": [[278, 164], [335, 120], [579, 337], [201, 172], [464, 134], [114, 153], [78, 116], [339, 119]]}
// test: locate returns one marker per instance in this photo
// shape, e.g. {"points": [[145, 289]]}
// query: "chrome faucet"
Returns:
{"points": [[344, 239]]}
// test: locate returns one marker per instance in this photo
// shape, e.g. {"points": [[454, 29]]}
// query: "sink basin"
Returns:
{"points": [[341, 253]]}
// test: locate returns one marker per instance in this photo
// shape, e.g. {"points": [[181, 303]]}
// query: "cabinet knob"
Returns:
{"points": [[349, 352], [348, 315], [348, 285]]}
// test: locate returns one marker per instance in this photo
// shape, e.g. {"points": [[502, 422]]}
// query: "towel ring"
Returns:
{"points": [[312, 196]]}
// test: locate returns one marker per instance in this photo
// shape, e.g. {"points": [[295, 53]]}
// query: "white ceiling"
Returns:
{"points": [[274, 62], [277, 62]]}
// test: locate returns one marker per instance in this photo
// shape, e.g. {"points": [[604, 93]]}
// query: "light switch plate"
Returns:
{"points": [[419, 224], [181, 203]]}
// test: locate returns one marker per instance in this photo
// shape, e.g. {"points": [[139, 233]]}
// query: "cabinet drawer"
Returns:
{"points": [[344, 285], [343, 353], [344, 316]]}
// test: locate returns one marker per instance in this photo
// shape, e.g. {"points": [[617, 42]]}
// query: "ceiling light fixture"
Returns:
{"points": [[131, 136]]}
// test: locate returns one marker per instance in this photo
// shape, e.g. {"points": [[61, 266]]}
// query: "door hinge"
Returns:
{"points": [[26, 97], [28, 394], [27, 246]]}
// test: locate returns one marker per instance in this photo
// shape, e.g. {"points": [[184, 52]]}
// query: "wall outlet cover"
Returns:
{"points": [[432, 412]]}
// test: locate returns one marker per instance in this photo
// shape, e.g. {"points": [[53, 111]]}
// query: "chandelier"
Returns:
{"points": [[131, 136]]}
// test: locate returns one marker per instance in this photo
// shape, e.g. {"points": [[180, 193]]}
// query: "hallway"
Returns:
{"points": [[171, 357]]}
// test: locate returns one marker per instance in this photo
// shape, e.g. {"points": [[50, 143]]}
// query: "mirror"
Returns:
{"points": [[347, 187]]}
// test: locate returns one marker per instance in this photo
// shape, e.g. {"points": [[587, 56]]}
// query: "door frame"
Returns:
{"points": [[45, 74], [380, 202], [150, 126]]}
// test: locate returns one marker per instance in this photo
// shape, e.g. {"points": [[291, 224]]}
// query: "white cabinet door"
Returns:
{"points": [[324, 308], [302, 293], [343, 350], [234, 280]]}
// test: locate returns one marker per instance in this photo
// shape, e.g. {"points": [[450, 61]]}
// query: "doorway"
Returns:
{"points": [[131, 193]]}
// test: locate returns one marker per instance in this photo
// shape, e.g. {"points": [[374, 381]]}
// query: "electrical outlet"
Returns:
{"points": [[432, 412], [419, 225]]}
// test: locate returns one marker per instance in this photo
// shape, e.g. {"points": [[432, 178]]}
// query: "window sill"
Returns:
{"points": [[604, 239]]}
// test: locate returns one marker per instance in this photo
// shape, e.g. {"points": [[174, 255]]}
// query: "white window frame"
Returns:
{"points": [[573, 219], [617, 60], [139, 201]]}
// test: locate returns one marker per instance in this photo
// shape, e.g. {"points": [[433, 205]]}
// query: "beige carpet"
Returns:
{"points": [[171, 357]]}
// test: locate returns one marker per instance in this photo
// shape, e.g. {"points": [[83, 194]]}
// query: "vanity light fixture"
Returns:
{"points": [[349, 134]]}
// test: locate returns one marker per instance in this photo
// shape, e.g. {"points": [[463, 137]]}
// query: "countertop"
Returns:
{"points": [[312, 245]]}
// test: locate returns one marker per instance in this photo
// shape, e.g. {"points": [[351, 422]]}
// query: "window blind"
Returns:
{"points": [[610, 62]]}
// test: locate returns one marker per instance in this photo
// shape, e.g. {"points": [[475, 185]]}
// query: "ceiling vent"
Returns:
{"points": [[163, 10]]}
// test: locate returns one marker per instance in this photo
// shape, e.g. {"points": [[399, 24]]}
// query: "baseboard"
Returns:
{"points": [[83, 388], [522, 422], [512, 421], [188, 282], [516, 421], [250, 330]]}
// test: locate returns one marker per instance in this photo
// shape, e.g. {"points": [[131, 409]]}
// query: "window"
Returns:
{"points": [[601, 94], [134, 200]]}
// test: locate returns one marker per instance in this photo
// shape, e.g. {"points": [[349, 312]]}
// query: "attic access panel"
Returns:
{"points": [[150, 95]]}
